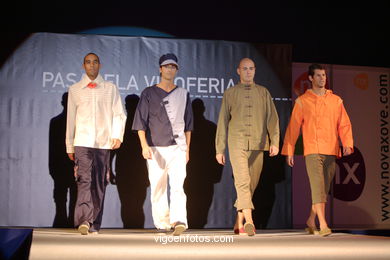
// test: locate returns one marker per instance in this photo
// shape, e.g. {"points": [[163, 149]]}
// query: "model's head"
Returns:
{"points": [[314, 67], [91, 65], [168, 66], [317, 75], [246, 70]]}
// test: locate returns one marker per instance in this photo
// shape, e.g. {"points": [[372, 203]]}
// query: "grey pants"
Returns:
{"points": [[320, 169], [92, 167]]}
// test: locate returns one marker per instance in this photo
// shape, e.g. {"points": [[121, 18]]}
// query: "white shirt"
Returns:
{"points": [[95, 115]]}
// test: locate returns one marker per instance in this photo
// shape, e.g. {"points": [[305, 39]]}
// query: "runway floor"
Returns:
{"points": [[54, 243]]}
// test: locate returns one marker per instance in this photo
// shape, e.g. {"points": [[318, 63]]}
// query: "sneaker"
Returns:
{"points": [[83, 228], [179, 228]]}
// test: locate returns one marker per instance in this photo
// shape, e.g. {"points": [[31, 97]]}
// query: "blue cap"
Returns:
{"points": [[168, 58]]}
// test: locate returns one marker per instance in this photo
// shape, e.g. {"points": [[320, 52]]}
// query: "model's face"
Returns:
{"points": [[168, 72], [246, 70], [318, 80], [91, 66]]}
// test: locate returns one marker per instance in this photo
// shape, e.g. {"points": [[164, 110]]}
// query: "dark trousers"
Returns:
{"points": [[92, 167]]}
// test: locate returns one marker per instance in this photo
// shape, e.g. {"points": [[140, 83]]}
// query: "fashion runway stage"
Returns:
{"points": [[53, 243]]}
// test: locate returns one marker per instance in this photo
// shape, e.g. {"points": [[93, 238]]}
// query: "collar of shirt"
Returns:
{"points": [[314, 95], [155, 85], [243, 85], [86, 80]]}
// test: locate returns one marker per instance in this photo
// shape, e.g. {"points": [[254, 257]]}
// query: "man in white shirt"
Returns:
{"points": [[95, 125]]}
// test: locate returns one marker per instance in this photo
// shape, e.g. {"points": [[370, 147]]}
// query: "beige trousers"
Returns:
{"points": [[247, 166], [321, 170]]}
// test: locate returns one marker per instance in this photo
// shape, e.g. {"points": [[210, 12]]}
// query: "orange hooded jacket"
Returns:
{"points": [[323, 120]]}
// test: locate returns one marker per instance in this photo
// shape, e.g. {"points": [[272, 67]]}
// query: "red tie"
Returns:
{"points": [[91, 85]]}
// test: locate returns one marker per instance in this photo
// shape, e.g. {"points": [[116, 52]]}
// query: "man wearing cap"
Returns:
{"points": [[249, 123], [164, 122], [95, 125]]}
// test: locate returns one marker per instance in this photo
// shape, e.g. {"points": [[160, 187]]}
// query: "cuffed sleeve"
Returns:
{"points": [[141, 116], [119, 117], [70, 123], [272, 121], [188, 115], [344, 128], [222, 126], [293, 129]]}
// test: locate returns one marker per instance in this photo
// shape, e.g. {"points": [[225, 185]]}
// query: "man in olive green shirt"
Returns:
{"points": [[248, 121]]}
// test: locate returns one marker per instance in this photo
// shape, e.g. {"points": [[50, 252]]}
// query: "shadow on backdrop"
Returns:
{"points": [[131, 172], [203, 171], [13, 40], [265, 193], [61, 170]]}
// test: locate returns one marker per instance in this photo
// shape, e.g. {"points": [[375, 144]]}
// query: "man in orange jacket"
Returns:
{"points": [[323, 119]]}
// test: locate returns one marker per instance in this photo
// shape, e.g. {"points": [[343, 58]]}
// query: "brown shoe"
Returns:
{"points": [[311, 230], [179, 228], [236, 230]]}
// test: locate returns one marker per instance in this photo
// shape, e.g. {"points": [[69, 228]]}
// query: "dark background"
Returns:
{"points": [[356, 34]]}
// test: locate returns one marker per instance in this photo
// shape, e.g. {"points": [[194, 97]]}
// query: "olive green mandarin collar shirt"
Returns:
{"points": [[247, 120]]}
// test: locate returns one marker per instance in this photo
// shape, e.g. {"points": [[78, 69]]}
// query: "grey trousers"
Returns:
{"points": [[92, 167]]}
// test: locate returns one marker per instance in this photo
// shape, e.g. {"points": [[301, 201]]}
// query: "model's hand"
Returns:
{"points": [[71, 156], [187, 156], [347, 151], [115, 144], [220, 158], [146, 152], [290, 160], [273, 150]]}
